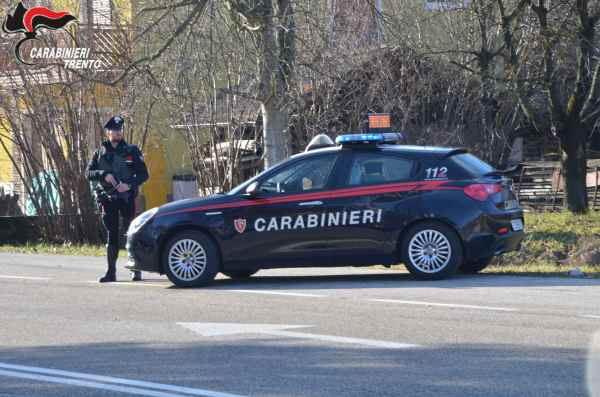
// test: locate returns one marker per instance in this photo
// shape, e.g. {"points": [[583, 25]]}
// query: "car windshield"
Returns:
{"points": [[239, 188], [242, 186]]}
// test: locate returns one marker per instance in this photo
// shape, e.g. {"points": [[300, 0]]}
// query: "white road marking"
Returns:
{"points": [[130, 283], [266, 292], [92, 381], [453, 305], [589, 316], [593, 366], [221, 329], [341, 339], [24, 277]]}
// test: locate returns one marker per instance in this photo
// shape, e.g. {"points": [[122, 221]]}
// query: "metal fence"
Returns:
{"points": [[540, 185]]}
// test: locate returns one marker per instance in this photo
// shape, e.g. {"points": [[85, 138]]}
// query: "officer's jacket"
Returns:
{"points": [[125, 162]]}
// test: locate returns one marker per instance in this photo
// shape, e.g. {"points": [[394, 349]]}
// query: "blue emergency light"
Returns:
{"points": [[350, 139], [359, 138]]}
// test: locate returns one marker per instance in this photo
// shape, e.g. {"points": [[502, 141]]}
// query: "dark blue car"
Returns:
{"points": [[362, 202]]}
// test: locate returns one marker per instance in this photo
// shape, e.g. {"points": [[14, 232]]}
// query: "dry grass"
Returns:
{"points": [[554, 244], [58, 249]]}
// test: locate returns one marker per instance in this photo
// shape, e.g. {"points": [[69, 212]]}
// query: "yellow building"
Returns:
{"points": [[6, 168], [165, 157]]}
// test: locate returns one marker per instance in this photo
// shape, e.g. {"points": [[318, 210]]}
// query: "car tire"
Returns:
{"points": [[431, 251], [239, 274], [475, 266], [190, 259]]}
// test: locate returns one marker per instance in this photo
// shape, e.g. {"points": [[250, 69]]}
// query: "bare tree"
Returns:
{"points": [[47, 125], [466, 39], [202, 88], [272, 26], [53, 118], [554, 48]]}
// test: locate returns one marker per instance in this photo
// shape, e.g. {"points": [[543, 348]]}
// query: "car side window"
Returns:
{"points": [[370, 168], [304, 176]]}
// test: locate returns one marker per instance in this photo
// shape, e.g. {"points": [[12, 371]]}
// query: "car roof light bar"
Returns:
{"points": [[352, 139]]}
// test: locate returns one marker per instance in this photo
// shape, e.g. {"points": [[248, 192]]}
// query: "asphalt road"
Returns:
{"points": [[294, 332]]}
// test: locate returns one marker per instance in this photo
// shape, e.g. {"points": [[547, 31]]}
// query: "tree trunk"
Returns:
{"points": [[488, 111], [275, 123], [574, 168]]}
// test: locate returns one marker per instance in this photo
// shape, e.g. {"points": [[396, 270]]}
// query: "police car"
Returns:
{"points": [[361, 202]]}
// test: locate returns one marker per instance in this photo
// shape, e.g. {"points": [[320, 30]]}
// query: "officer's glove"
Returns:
{"points": [[122, 187], [109, 178]]}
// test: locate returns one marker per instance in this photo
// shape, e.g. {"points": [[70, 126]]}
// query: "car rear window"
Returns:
{"points": [[472, 164]]}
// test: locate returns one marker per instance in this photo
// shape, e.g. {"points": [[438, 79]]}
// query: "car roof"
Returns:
{"points": [[411, 150], [439, 150]]}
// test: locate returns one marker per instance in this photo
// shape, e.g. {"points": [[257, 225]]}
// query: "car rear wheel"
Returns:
{"points": [[431, 251], [475, 266], [239, 274], [190, 259]]}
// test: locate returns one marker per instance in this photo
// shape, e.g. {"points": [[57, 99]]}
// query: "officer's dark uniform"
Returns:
{"points": [[126, 164]]}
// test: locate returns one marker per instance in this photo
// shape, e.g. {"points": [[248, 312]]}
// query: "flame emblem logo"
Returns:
{"points": [[29, 21]]}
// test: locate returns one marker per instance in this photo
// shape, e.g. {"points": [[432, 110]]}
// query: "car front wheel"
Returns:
{"points": [[190, 259], [431, 251]]}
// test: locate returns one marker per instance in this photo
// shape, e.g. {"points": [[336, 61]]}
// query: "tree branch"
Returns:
{"points": [[513, 57], [593, 94], [550, 83], [196, 12]]}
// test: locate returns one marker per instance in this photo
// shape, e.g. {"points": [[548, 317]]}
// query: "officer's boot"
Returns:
{"points": [[112, 252], [136, 275]]}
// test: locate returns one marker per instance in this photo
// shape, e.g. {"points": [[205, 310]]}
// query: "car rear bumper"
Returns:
{"points": [[496, 236]]}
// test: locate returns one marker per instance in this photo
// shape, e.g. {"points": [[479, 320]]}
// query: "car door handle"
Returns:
{"points": [[311, 203]]}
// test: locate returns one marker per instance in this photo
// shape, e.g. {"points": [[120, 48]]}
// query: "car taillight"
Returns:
{"points": [[481, 191]]}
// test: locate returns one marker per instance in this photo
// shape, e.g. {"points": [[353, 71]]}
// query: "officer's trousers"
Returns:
{"points": [[110, 219]]}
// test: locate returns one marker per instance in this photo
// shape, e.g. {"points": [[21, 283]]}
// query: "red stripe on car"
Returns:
{"points": [[337, 193]]}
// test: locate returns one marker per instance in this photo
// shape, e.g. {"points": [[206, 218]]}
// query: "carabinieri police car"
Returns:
{"points": [[364, 201]]}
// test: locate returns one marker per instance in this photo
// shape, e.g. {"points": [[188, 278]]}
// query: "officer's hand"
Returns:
{"points": [[110, 179], [122, 187]]}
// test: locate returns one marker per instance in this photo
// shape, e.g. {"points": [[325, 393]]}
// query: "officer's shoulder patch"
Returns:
{"points": [[135, 149]]}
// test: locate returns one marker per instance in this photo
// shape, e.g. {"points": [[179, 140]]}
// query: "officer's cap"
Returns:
{"points": [[114, 124]]}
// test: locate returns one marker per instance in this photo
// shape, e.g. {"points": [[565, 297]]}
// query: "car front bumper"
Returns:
{"points": [[143, 251]]}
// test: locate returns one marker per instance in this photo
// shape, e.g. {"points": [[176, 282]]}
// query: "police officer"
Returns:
{"points": [[118, 169]]}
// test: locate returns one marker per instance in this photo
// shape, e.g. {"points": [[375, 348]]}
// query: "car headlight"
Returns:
{"points": [[141, 220]]}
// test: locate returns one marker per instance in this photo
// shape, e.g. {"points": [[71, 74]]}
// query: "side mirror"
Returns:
{"points": [[251, 190]]}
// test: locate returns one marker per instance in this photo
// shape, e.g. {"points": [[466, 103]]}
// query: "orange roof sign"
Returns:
{"points": [[379, 121]]}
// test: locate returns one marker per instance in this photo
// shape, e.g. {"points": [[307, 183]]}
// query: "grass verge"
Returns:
{"points": [[555, 243], [58, 249]]}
